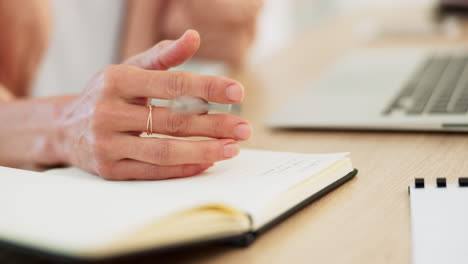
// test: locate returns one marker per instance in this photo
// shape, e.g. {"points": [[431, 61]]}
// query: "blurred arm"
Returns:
{"points": [[5, 94], [227, 27], [142, 26], [24, 32], [29, 132]]}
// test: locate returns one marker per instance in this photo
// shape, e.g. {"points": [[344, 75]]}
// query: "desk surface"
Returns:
{"points": [[367, 220]]}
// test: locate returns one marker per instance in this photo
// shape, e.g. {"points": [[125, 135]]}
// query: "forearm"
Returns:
{"points": [[142, 27], [30, 132], [24, 35]]}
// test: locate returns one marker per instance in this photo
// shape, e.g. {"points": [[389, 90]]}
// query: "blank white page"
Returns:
{"points": [[72, 210], [439, 218]]}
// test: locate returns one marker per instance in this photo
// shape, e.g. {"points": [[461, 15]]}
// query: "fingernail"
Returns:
{"points": [[231, 150], [242, 131], [234, 93]]}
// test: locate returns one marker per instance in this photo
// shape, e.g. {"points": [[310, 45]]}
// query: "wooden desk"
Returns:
{"points": [[367, 220]]}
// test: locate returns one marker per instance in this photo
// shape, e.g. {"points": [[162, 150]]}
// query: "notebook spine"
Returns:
{"points": [[243, 241]]}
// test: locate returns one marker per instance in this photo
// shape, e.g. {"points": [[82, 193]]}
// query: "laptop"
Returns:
{"points": [[384, 89]]}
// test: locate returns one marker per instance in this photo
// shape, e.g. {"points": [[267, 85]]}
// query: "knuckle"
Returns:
{"points": [[160, 63], [209, 88], [106, 170], [210, 152], [101, 115], [220, 125], [163, 44], [109, 76], [178, 84], [100, 145], [177, 123], [162, 153]]}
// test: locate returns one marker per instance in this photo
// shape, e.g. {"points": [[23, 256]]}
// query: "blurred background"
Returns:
{"points": [[282, 22], [279, 23]]}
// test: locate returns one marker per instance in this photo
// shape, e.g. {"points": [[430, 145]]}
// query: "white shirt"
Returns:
{"points": [[85, 38]]}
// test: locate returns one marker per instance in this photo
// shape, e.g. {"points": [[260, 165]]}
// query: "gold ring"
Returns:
{"points": [[149, 121]]}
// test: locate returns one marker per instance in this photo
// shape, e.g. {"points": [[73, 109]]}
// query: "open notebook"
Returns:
{"points": [[71, 213]]}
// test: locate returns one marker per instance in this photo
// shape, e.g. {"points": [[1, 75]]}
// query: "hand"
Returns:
{"points": [[227, 27], [100, 129]]}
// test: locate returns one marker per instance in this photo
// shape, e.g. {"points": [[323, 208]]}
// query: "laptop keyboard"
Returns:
{"points": [[439, 86]]}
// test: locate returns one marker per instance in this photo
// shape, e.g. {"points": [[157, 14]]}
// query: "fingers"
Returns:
{"points": [[167, 54], [135, 170], [164, 151], [165, 121], [132, 82]]}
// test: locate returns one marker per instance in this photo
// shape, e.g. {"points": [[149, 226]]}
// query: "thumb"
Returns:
{"points": [[168, 53]]}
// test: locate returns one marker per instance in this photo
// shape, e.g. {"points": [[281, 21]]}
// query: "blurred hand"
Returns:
{"points": [[100, 129], [227, 27], [5, 94]]}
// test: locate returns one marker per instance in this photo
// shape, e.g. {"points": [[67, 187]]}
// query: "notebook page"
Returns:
{"points": [[73, 210], [253, 180]]}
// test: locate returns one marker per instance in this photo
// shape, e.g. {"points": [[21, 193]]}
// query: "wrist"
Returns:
{"points": [[53, 148]]}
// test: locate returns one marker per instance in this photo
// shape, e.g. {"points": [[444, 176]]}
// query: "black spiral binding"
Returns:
{"points": [[441, 182], [463, 182], [419, 183]]}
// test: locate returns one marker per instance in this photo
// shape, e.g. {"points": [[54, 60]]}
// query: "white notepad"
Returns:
{"points": [[439, 224]]}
